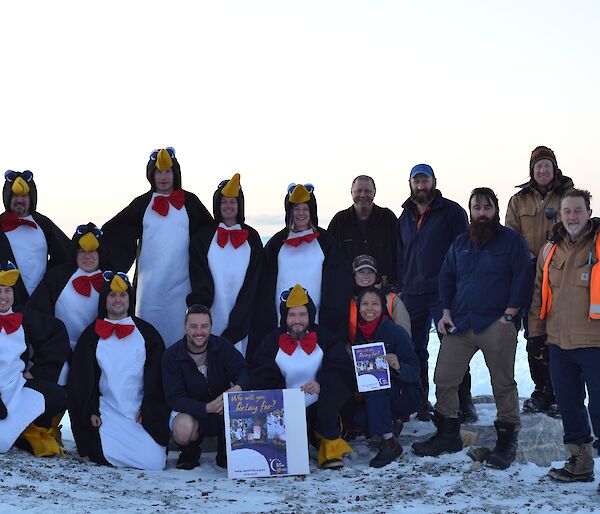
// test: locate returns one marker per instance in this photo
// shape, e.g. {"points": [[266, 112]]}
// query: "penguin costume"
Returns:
{"points": [[156, 229], [225, 261], [29, 239], [283, 361], [307, 255], [69, 292], [118, 412], [33, 348]]}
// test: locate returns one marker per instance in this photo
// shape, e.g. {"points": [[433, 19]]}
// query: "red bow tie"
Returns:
{"points": [[11, 322], [288, 344], [11, 221], [296, 241], [105, 329], [237, 237], [161, 203], [83, 284]]}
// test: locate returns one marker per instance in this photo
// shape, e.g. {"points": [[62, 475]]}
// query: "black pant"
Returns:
{"points": [[55, 397]]}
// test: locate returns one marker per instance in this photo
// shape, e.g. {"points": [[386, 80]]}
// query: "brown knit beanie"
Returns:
{"points": [[542, 152]]}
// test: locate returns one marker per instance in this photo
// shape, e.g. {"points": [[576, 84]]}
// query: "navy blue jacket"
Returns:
{"points": [[187, 390], [421, 252], [478, 283]]}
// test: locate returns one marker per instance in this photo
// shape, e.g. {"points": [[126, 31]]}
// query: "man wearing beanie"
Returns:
{"points": [[532, 212], [27, 238], [426, 228]]}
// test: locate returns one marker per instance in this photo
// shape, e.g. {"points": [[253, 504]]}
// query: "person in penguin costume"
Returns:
{"points": [[302, 354], [116, 400], [303, 253], [33, 348], [225, 260], [27, 238], [156, 228]]}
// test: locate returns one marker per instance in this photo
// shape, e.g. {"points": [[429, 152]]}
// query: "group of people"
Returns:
{"points": [[210, 311]]}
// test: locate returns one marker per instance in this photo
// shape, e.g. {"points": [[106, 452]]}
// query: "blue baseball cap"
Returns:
{"points": [[422, 169]]}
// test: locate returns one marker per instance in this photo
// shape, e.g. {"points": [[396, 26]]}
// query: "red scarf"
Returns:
{"points": [[11, 221], [105, 329], [83, 284], [161, 203], [237, 237], [11, 322], [288, 344], [296, 241], [368, 328]]}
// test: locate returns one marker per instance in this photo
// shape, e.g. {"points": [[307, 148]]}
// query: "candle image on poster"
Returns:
{"points": [[371, 367]]}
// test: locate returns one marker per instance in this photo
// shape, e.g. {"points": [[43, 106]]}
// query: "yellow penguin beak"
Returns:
{"points": [[20, 187], [88, 242], [118, 285], [300, 195], [232, 188], [9, 278], [297, 297], [163, 160]]}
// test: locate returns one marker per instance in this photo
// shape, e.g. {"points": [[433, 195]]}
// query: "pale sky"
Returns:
{"points": [[301, 91]]}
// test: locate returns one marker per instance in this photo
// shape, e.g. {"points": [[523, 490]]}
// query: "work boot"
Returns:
{"points": [[540, 401], [466, 411], [189, 457], [446, 440], [579, 466], [505, 451], [389, 450]]}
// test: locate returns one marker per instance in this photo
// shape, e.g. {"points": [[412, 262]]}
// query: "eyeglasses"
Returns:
{"points": [[309, 187], [286, 294], [84, 229], [169, 149], [12, 175], [109, 275]]}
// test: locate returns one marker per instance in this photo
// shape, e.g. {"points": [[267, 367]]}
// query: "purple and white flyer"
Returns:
{"points": [[265, 433], [371, 367]]}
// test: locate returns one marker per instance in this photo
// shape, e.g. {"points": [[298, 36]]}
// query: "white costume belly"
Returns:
{"points": [[228, 267], [22, 403], [300, 265], [76, 312], [163, 280], [125, 443], [30, 249], [299, 368]]}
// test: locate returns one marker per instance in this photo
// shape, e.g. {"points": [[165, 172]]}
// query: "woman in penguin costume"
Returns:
{"points": [[27, 238], [300, 353], [118, 412], [156, 229], [303, 253], [225, 261], [33, 348]]}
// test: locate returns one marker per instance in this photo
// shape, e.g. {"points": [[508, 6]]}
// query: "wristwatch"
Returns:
{"points": [[508, 317]]}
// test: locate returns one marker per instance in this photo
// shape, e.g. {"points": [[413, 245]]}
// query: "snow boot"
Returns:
{"points": [[579, 466], [446, 440], [331, 452], [540, 401], [389, 450], [189, 457], [466, 411], [505, 451]]}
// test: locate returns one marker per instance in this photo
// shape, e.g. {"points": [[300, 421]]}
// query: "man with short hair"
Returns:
{"points": [[27, 238], [566, 307], [484, 288], [197, 371], [426, 229], [366, 228]]}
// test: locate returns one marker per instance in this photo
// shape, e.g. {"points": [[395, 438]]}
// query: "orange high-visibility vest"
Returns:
{"points": [[594, 281], [353, 322]]}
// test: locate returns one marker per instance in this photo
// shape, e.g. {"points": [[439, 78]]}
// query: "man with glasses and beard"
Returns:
{"points": [[426, 229], [484, 288]]}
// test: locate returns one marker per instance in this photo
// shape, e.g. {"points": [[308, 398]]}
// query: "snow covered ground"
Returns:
{"points": [[449, 484]]}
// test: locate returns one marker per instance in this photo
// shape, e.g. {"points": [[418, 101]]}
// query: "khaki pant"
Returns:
{"points": [[498, 342]]}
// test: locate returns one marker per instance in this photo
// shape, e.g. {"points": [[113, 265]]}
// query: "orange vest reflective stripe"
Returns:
{"points": [[353, 321], [594, 282]]}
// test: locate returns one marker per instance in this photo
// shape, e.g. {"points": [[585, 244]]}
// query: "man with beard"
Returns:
{"points": [[484, 288], [426, 229]]}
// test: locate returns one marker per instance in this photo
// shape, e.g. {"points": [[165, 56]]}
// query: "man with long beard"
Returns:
{"points": [[484, 289], [426, 229]]}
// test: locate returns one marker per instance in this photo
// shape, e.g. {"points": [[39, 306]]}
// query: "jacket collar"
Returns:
{"points": [[436, 203], [182, 351]]}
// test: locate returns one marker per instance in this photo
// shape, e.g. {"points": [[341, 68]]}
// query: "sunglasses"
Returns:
{"points": [[170, 150], [309, 187], [11, 175], [109, 275], [286, 294], [84, 229]]}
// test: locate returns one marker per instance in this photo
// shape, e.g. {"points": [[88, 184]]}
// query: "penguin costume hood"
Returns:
{"points": [[163, 159], [88, 238], [115, 281], [9, 274], [19, 183], [295, 297], [230, 189], [297, 194]]}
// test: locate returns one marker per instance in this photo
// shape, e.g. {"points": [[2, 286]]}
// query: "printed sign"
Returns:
{"points": [[371, 367]]}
